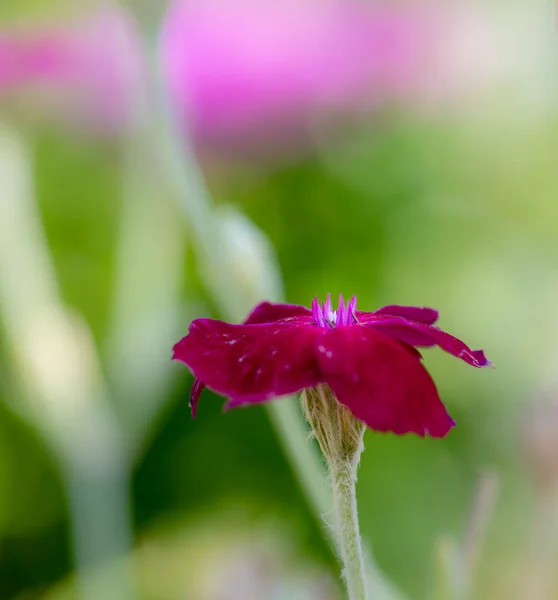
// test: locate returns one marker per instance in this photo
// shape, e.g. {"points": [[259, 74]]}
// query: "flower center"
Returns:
{"points": [[325, 316]]}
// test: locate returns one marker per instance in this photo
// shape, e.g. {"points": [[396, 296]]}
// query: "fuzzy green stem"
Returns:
{"points": [[343, 479], [339, 435]]}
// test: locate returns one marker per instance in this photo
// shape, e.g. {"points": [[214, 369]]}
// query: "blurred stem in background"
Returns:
{"points": [[456, 563], [540, 453], [480, 515], [257, 278], [66, 398], [540, 574], [236, 296], [146, 292]]}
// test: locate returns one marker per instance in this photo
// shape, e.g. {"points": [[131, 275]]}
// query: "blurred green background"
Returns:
{"points": [[454, 208]]}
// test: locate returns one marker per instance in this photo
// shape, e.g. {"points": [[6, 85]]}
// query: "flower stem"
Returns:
{"points": [[99, 509], [343, 479]]}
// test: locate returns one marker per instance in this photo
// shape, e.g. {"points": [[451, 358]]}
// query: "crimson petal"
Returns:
{"points": [[251, 363], [425, 315], [419, 334], [269, 312], [381, 382], [197, 388]]}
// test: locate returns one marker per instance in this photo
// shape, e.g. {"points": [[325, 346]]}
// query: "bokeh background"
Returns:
{"points": [[163, 162]]}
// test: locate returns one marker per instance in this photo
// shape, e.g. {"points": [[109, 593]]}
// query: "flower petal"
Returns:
{"points": [[419, 334], [381, 382], [197, 388], [425, 315], [269, 312], [251, 363]]}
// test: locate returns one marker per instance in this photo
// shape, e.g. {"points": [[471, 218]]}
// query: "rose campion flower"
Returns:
{"points": [[368, 359]]}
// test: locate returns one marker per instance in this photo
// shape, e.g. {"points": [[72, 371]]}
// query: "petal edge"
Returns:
{"points": [[250, 363], [382, 383]]}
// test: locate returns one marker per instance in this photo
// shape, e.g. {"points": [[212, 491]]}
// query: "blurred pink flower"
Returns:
{"points": [[253, 67], [87, 72]]}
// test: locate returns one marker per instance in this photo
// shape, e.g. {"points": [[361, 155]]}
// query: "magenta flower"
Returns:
{"points": [[88, 72], [368, 359], [253, 68], [246, 70]]}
